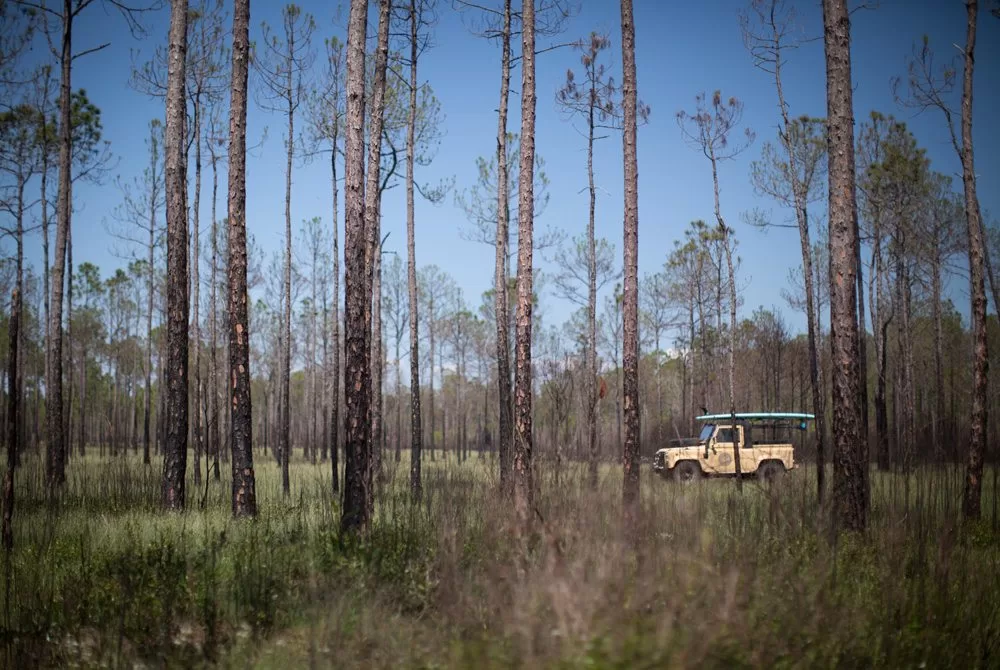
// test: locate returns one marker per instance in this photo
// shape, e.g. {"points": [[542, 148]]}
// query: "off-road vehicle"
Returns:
{"points": [[765, 447]]}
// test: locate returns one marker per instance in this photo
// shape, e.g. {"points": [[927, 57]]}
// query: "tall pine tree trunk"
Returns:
{"points": [[357, 368], [980, 359], [850, 476], [335, 331], [196, 425], [630, 307], [523, 438], [55, 442], [416, 434], [244, 494], [501, 301], [284, 430], [175, 451]]}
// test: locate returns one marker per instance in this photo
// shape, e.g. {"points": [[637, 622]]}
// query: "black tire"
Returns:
{"points": [[770, 472], [687, 472]]}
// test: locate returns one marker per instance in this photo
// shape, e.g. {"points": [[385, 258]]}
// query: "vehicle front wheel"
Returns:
{"points": [[687, 472], [770, 472]]}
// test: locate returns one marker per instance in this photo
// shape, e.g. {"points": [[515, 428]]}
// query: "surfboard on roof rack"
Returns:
{"points": [[757, 416]]}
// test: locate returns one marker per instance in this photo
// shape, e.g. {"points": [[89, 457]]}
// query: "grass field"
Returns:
{"points": [[102, 578]]}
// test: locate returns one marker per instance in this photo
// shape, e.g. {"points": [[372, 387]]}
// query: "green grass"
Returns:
{"points": [[102, 578]]}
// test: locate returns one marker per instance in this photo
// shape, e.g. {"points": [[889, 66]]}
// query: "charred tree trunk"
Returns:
{"points": [[244, 494]]}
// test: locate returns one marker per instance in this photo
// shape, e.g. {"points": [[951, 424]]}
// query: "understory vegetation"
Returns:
{"points": [[101, 577]]}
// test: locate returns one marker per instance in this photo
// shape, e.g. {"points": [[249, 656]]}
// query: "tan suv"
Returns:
{"points": [[765, 447]]}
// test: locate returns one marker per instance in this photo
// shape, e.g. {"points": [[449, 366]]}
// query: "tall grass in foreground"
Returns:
{"points": [[102, 577]]}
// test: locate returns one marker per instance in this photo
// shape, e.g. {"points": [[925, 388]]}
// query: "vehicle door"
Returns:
{"points": [[720, 452], [749, 456]]}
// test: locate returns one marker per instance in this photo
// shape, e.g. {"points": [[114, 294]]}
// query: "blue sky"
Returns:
{"points": [[683, 48]]}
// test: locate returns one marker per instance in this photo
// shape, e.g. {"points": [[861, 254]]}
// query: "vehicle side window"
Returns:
{"points": [[724, 436]]}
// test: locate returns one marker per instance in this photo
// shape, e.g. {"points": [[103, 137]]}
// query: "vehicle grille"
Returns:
{"points": [[658, 460]]}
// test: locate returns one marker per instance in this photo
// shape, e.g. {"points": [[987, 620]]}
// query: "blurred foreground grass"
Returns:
{"points": [[717, 579]]}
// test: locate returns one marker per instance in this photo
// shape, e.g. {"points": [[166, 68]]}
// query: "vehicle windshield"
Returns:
{"points": [[706, 432]]}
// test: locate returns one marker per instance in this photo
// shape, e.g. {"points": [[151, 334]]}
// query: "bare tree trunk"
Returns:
{"points": [[378, 425], [335, 334], [357, 372], [284, 431], [175, 452], [980, 369], [373, 195], [416, 430], [214, 431], [630, 307], [591, 385], [938, 354], [501, 301], [850, 485], [431, 328], [150, 288], [13, 439], [731, 285], [523, 438], [196, 425], [55, 443], [244, 494]]}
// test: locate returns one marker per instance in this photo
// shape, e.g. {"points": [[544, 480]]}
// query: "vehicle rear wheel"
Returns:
{"points": [[687, 472], [770, 472]]}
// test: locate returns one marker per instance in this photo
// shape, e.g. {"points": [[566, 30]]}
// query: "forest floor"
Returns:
{"points": [[716, 579]]}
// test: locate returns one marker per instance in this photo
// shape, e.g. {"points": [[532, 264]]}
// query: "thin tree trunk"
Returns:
{"points": [[335, 334], [523, 438], [196, 425], [416, 430], [850, 485], [630, 327], [150, 260], [591, 371], [501, 301], [214, 432], [731, 285], [175, 452], [13, 439], [284, 430], [55, 443], [972, 503], [244, 495]]}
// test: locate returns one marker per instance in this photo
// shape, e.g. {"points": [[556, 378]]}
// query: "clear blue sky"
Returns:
{"points": [[683, 48]]}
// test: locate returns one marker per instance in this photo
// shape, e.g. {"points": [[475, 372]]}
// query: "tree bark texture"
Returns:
{"points": [[522, 461], [630, 297], [357, 368], [175, 451], [55, 443], [501, 301], [416, 435], [240, 408], [972, 502], [850, 477]]}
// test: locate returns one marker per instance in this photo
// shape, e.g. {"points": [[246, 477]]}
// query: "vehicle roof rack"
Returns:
{"points": [[757, 416]]}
